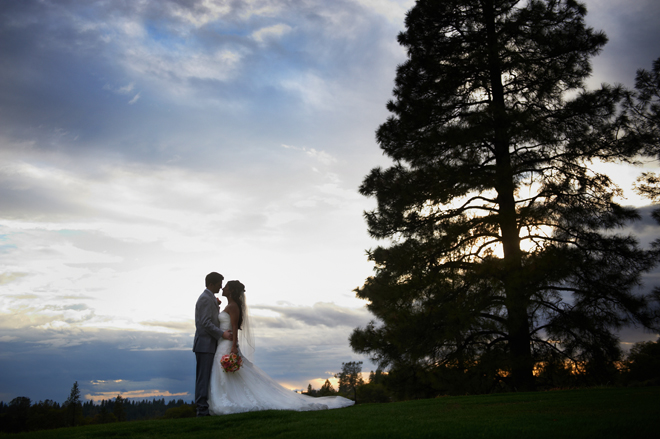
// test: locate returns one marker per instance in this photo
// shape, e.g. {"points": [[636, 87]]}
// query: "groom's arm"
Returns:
{"points": [[205, 309]]}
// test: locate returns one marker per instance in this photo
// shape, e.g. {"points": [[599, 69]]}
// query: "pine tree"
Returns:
{"points": [[311, 391], [644, 107], [73, 406], [118, 410], [350, 378], [327, 389], [503, 237]]}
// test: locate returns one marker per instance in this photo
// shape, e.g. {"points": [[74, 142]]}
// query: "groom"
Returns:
{"points": [[207, 334]]}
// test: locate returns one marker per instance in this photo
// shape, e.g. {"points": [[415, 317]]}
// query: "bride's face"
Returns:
{"points": [[225, 292]]}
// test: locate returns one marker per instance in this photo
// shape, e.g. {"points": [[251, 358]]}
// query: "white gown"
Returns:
{"points": [[250, 389]]}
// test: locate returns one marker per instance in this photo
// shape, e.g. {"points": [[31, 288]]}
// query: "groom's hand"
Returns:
{"points": [[227, 335]]}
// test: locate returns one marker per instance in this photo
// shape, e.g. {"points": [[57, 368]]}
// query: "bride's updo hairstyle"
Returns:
{"points": [[237, 291]]}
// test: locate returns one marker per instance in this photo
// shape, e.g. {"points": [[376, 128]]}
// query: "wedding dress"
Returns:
{"points": [[250, 389]]}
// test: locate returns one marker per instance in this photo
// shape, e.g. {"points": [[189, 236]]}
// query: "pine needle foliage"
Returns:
{"points": [[503, 242]]}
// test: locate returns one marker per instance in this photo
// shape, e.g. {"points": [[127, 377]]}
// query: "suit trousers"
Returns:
{"points": [[202, 379]]}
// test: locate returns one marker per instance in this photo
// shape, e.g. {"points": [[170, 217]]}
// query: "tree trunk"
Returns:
{"points": [[516, 300]]}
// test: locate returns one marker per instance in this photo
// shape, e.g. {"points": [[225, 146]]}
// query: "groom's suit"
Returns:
{"points": [[207, 334]]}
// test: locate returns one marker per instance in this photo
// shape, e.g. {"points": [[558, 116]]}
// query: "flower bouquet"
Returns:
{"points": [[231, 362]]}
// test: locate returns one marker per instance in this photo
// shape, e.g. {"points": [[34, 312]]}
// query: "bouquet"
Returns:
{"points": [[231, 362]]}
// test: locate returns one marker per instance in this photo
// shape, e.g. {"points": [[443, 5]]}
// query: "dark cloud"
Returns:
{"points": [[646, 229], [44, 363], [633, 32], [306, 363], [646, 220], [35, 364], [67, 60]]}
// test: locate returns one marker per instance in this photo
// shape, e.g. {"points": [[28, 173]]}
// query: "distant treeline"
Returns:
{"points": [[22, 415], [406, 381]]}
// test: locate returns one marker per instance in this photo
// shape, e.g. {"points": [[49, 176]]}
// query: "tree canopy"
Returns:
{"points": [[350, 378], [504, 248]]}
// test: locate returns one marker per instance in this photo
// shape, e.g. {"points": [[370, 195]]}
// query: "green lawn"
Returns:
{"points": [[586, 413]]}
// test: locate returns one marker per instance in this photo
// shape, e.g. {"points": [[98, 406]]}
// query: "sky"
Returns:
{"points": [[145, 144]]}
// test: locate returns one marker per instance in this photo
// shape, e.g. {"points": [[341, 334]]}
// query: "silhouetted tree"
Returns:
{"points": [[502, 235], [103, 416], [376, 377], [327, 389], [20, 415], [644, 362], [16, 417], [350, 378], [644, 106], [374, 390], [72, 406], [118, 409], [311, 391], [46, 415]]}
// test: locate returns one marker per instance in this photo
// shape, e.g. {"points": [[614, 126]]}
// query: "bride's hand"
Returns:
{"points": [[234, 350]]}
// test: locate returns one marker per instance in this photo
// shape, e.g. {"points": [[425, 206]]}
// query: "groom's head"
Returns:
{"points": [[214, 282]]}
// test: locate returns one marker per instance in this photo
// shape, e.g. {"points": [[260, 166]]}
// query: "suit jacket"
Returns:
{"points": [[207, 325]]}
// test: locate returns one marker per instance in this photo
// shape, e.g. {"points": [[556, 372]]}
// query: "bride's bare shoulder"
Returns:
{"points": [[231, 308]]}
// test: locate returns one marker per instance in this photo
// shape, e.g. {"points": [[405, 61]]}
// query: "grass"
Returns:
{"points": [[584, 413]]}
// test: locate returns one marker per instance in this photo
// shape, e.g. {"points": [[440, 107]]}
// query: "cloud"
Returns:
{"points": [[30, 372], [320, 314], [6, 278], [199, 12], [144, 364], [134, 100], [314, 90], [393, 10], [32, 192], [646, 229], [185, 326], [632, 30], [122, 90], [321, 156], [275, 31], [174, 64]]}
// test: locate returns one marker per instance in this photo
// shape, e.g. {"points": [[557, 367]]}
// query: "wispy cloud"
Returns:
{"points": [[320, 314], [273, 32], [321, 156], [134, 100]]}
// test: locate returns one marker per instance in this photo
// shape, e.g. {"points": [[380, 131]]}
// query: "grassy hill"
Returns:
{"points": [[585, 413]]}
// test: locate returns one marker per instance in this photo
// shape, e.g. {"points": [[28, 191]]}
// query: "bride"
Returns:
{"points": [[249, 388]]}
